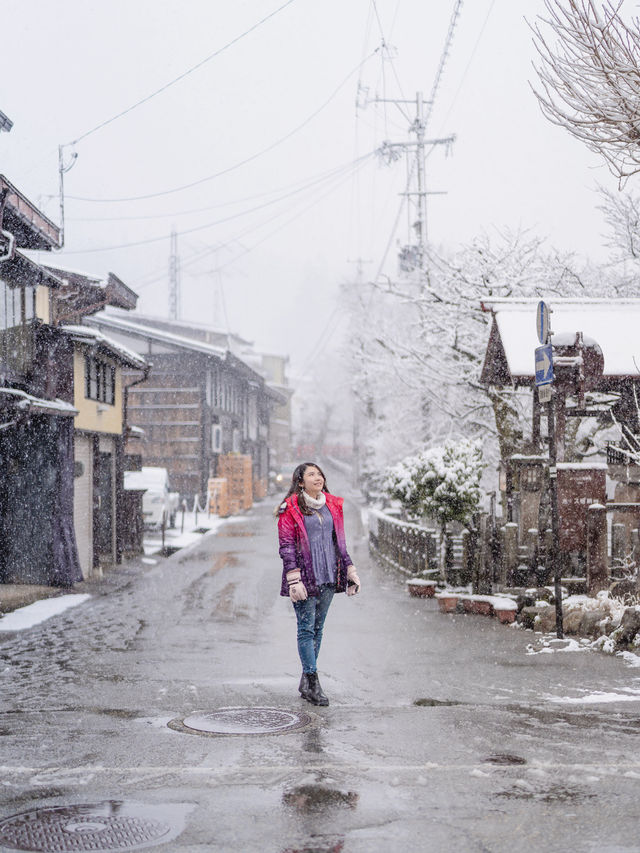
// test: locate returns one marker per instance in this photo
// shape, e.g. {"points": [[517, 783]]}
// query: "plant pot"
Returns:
{"points": [[448, 603], [506, 616], [468, 605], [482, 608], [421, 589]]}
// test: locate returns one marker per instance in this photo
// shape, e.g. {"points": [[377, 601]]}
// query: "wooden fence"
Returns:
{"points": [[413, 550]]}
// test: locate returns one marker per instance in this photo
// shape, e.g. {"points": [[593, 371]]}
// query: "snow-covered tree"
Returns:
{"points": [[440, 483], [589, 73], [417, 348]]}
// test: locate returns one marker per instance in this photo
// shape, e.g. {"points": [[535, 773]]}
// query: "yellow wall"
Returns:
{"points": [[92, 415], [43, 303]]}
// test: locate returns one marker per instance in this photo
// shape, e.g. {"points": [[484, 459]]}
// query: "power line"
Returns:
{"points": [[306, 181], [197, 228], [181, 76], [267, 236], [242, 162]]}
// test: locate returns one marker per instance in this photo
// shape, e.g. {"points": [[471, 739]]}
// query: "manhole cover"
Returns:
{"points": [[242, 721], [99, 826]]}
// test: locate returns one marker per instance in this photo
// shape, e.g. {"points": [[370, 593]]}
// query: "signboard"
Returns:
{"points": [[578, 488], [544, 365], [544, 393], [542, 323]]}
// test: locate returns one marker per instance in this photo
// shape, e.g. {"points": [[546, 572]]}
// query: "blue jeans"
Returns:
{"points": [[311, 614]]}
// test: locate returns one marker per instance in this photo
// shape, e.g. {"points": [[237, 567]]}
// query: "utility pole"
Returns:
{"points": [[413, 256], [174, 278], [360, 262]]}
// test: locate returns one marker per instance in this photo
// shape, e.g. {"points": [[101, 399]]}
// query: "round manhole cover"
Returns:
{"points": [[242, 721], [99, 826]]}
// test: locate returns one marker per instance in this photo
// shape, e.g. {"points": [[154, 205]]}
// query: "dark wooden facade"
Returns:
{"points": [[200, 401]]}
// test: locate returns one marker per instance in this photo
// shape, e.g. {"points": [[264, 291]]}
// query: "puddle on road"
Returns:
{"points": [[504, 759], [226, 560], [551, 794], [236, 532], [540, 717], [436, 703], [309, 798]]}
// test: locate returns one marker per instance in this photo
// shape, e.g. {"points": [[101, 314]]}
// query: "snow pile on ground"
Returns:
{"points": [[195, 527], [601, 622], [39, 611]]}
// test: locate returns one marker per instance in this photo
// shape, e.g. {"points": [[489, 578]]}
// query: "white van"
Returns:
{"points": [[157, 502]]}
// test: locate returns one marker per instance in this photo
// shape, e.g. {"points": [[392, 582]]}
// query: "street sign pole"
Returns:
{"points": [[544, 383], [555, 518]]}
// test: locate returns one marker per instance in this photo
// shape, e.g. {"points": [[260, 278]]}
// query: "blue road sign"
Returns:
{"points": [[544, 365], [542, 322]]}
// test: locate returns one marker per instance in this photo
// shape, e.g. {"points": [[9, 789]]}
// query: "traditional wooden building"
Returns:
{"points": [[101, 371], [201, 400], [597, 392], [37, 541]]}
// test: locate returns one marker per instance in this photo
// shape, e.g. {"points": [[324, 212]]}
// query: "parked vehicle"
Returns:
{"points": [[158, 502]]}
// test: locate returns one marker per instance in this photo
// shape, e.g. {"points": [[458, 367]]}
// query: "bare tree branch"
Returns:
{"points": [[590, 78]]}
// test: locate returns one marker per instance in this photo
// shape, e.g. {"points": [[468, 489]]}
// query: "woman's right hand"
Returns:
{"points": [[297, 590]]}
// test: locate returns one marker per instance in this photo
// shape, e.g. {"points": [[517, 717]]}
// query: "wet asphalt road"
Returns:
{"points": [[86, 699]]}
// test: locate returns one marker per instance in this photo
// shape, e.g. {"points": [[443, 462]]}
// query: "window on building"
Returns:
{"points": [[100, 380]]}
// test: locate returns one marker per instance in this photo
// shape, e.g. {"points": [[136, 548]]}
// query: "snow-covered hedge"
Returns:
{"points": [[441, 482]]}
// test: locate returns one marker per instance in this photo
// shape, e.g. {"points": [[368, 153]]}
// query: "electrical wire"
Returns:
{"points": [[241, 162], [309, 182], [168, 85], [224, 219], [293, 218]]}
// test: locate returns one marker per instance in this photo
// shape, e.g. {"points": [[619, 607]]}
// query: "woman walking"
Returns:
{"points": [[316, 564]]}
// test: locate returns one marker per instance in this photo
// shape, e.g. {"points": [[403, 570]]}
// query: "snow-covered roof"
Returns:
{"points": [[37, 405], [150, 333], [95, 337], [613, 324]]}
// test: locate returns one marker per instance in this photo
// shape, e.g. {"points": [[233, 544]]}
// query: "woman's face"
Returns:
{"points": [[312, 481]]}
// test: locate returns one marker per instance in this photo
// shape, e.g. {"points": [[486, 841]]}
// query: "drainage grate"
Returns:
{"points": [[242, 721], [109, 825]]}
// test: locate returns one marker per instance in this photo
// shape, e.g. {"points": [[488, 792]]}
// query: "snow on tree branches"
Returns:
{"points": [[441, 482], [591, 78]]}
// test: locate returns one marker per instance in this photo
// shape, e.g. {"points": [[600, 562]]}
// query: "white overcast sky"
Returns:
{"points": [[300, 214]]}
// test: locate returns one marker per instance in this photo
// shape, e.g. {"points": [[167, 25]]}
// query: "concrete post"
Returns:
{"points": [[618, 545], [532, 539], [509, 553], [635, 553], [484, 560], [598, 575], [465, 571]]}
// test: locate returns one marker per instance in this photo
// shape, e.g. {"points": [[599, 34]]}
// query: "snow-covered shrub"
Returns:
{"points": [[441, 482]]}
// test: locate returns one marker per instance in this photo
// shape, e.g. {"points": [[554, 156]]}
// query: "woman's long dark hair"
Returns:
{"points": [[297, 487]]}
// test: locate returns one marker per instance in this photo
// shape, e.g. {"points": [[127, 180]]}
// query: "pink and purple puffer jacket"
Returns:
{"points": [[296, 551]]}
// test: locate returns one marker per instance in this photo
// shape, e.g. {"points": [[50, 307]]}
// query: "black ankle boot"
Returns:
{"points": [[312, 691], [304, 683]]}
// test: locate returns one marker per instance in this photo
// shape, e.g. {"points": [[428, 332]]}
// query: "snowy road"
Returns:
{"points": [[443, 732]]}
